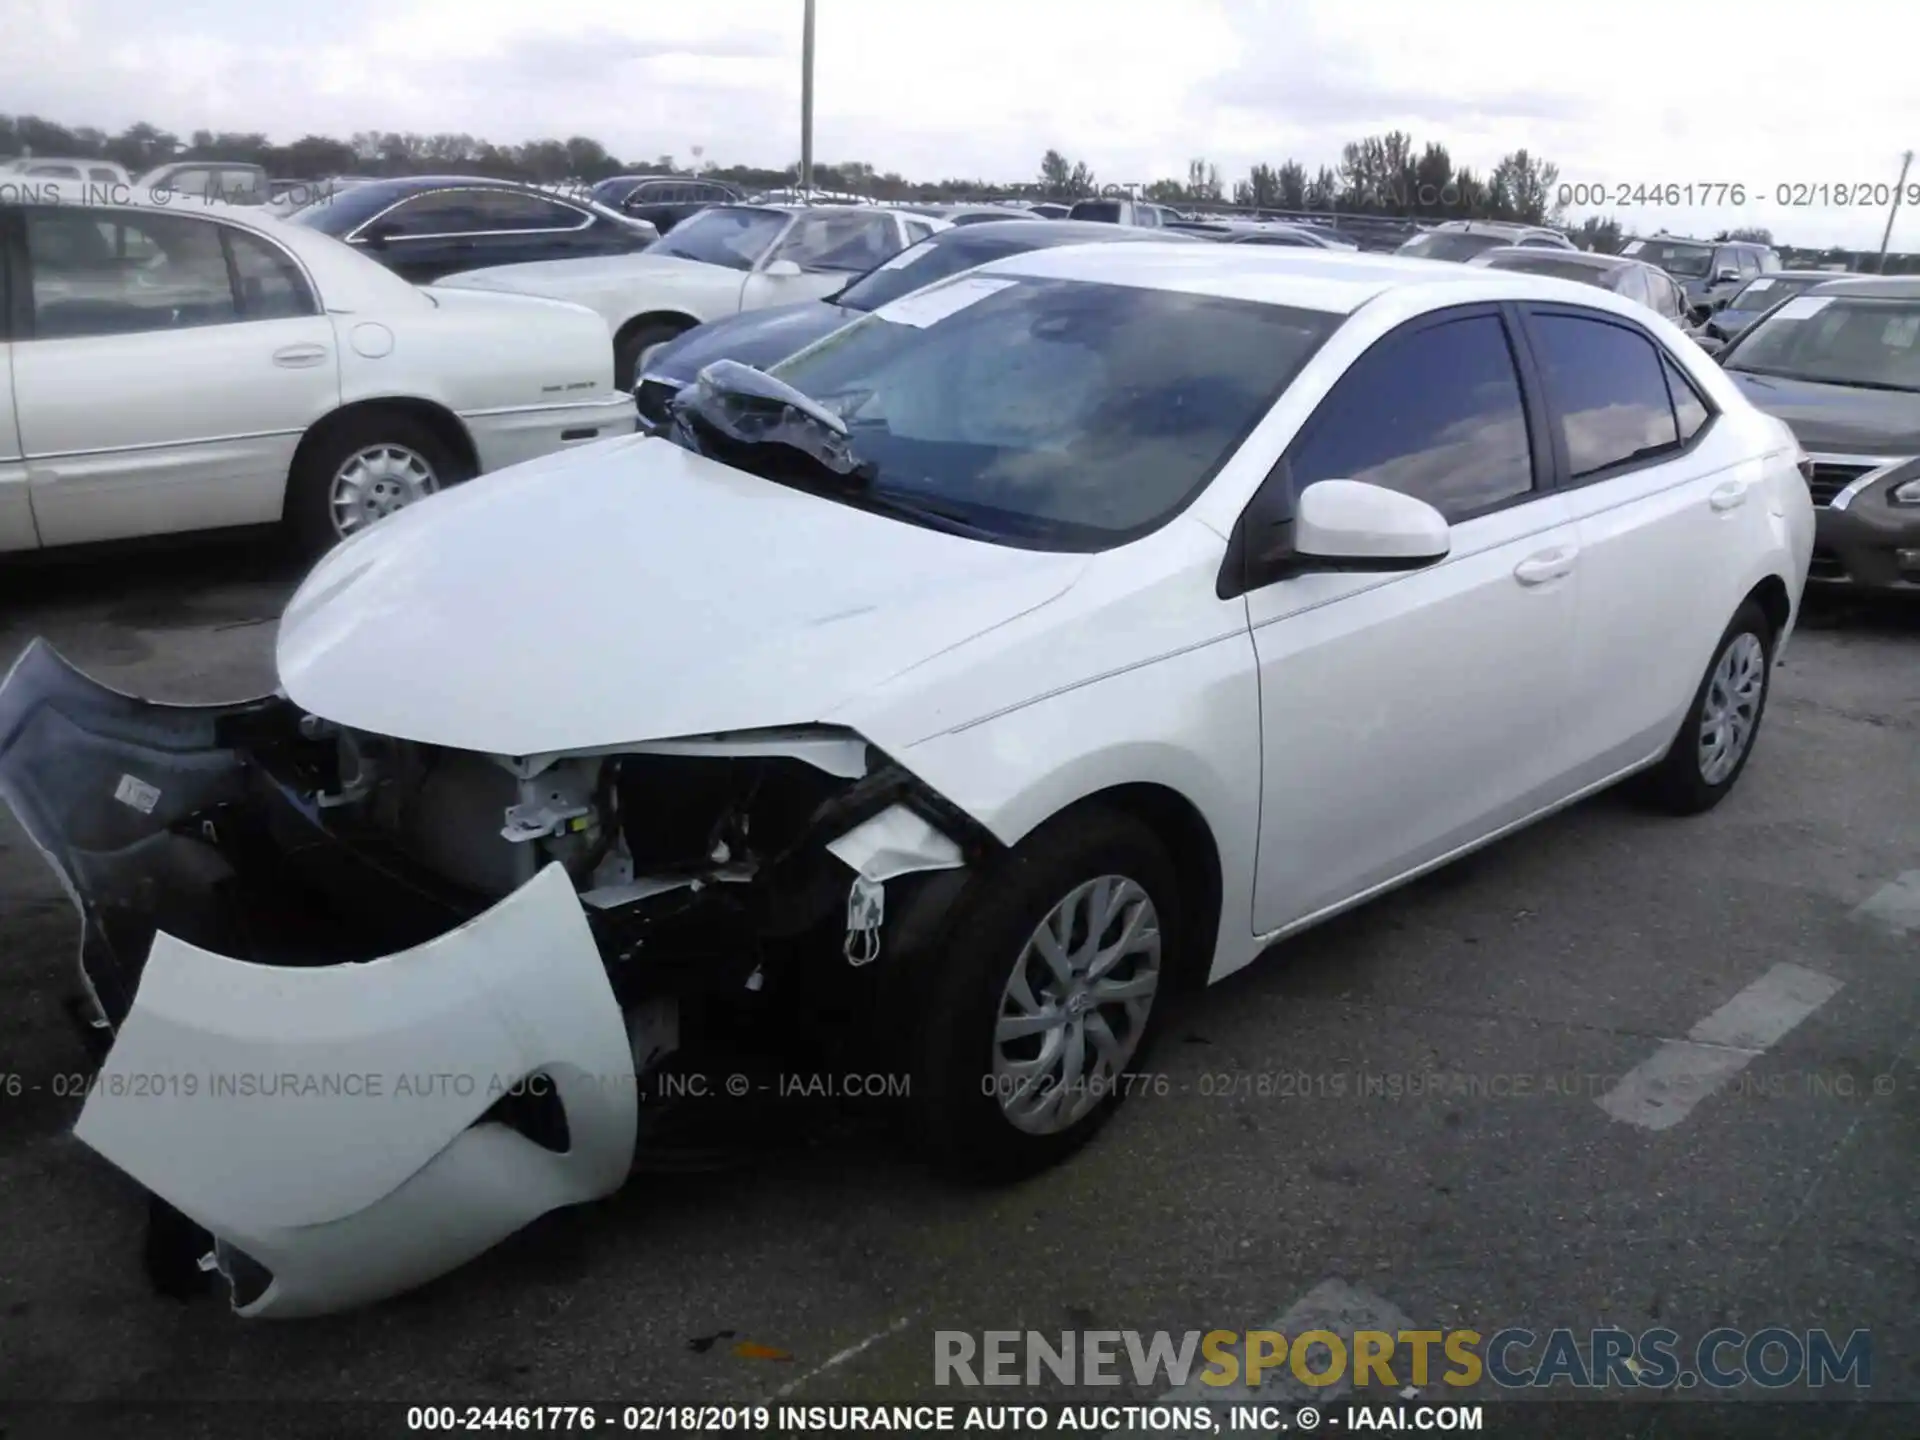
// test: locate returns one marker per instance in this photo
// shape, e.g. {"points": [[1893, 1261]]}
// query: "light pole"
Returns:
{"points": [[806, 103], [1886, 235]]}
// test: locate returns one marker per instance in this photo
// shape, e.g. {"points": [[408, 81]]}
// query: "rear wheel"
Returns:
{"points": [[1045, 996], [632, 346], [360, 470], [1717, 736]]}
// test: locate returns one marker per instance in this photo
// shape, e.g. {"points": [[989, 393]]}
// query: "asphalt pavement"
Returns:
{"points": [[1439, 1107]]}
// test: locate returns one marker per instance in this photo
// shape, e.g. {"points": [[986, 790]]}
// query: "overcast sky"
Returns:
{"points": [[1623, 93]]}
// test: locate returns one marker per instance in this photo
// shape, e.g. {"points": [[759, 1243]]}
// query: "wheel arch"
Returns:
{"points": [[682, 318], [446, 426], [1771, 595]]}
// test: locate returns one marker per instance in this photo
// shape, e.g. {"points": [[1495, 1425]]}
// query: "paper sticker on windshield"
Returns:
{"points": [[1805, 308], [907, 256], [928, 307], [1633, 247], [1759, 285]]}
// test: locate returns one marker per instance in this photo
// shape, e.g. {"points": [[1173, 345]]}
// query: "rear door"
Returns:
{"points": [[168, 366], [1659, 495]]}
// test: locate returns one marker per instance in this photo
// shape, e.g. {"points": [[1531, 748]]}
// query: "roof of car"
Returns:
{"points": [[1037, 230], [1872, 287], [1339, 281], [1589, 258], [1495, 227]]}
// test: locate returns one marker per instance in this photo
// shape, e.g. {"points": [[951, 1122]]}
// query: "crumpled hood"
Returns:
{"points": [[754, 337], [628, 591], [1838, 418], [558, 277]]}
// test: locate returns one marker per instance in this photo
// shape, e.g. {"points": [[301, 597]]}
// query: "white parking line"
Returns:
{"points": [[839, 1358], [1895, 904], [1662, 1090], [1331, 1305]]}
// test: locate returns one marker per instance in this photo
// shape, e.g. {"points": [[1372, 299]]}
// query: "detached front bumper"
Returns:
{"points": [[343, 1131]]}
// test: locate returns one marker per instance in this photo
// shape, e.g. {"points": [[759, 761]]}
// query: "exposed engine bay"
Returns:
{"points": [[262, 890]]}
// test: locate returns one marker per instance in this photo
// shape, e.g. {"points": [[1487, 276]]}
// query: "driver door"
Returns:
{"points": [[1407, 715], [830, 249]]}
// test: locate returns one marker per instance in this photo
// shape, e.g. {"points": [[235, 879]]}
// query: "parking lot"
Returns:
{"points": [[1430, 1100]]}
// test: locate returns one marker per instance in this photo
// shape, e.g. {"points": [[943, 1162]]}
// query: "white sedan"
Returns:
{"points": [[1049, 639], [726, 259], [197, 367]]}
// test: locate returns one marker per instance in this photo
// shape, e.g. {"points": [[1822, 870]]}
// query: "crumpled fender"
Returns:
{"points": [[322, 1120]]}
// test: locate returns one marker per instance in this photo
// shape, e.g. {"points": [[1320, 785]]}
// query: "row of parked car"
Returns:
{"points": [[292, 413]]}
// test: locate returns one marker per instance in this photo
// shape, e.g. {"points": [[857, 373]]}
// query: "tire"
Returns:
{"points": [[958, 1078], [634, 342], [416, 462], [1691, 779]]}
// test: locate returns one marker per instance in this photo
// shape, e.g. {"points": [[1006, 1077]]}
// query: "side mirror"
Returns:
{"points": [[1334, 525], [782, 269], [1351, 525], [1726, 274]]}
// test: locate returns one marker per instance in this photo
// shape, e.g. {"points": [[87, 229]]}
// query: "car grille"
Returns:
{"points": [[1826, 565], [652, 397], [1830, 478]]}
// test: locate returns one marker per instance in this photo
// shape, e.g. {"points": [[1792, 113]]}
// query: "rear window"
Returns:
{"points": [[1871, 344], [1551, 265], [1107, 210]]}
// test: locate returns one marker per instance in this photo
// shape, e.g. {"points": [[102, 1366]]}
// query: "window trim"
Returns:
{"points": [[1563, 481], [354, 236], [310, 291]]}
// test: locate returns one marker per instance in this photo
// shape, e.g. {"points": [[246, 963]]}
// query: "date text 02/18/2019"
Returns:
{"points": [[1792, 195]]}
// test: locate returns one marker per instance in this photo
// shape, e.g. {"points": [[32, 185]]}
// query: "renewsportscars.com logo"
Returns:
{"points": [[1722, 1359]]}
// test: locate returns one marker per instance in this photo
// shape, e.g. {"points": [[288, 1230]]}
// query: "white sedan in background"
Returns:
{"points": [[205, 366], [726, 259], [1050, 638]]}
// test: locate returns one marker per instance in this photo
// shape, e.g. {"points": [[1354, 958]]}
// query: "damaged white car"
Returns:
{"points": [[1048, 639]]}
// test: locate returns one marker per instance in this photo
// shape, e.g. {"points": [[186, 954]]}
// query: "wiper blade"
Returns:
{"points": [[906, 506]]}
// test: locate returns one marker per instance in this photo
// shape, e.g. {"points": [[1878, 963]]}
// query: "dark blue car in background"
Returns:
{"points": [[425, 227]]}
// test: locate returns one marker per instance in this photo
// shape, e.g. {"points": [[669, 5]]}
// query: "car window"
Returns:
{"points": [[438, 212], [1606, 381], [517, 210], [735, 236], [57, 172], [1768, 291], [97, 273], [1836, 339], [1560, 266], [1435, 413], [1689, 410], [1747, 262], [917, 230], [103, 177], [1688, 261], [1542, 240], [1275, 240], [271, 285], [1058, 413], [1107, 211], [850, 243], [1625, 281], [1666, 295]]}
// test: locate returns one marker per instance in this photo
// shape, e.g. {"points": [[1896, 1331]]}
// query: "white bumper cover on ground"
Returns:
{"points": [[322, 1121]]}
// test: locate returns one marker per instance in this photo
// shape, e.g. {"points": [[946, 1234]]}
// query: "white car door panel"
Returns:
{"points": [[1660, 570], [16, 509], [169, 430], [1408, 715], [155, 396]]}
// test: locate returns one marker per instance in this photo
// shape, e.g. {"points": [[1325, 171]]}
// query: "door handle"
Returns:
{"points": [[1729, 495], [1547, 565], [300, 357]]}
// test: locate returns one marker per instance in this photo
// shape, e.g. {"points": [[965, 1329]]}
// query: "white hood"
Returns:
{"points": [[633, 591]]}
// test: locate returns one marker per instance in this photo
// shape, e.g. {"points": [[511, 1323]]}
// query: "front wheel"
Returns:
{"points": [[1045, 996], [1717, 736]]}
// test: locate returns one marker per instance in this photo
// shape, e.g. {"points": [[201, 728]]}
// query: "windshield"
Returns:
{"points": [[1449, 245], [735, 236], [920, 265], [1054, 414], [1767, 292], [1838, 340], [1676, 257]]}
